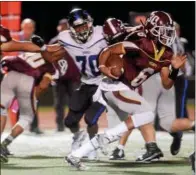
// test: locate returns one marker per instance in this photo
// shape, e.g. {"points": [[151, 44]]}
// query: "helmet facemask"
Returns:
{"points": [[82, 32], [166, 34]]}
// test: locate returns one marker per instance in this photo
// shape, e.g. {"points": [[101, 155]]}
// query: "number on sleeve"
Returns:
{"points": [[63, 66]]}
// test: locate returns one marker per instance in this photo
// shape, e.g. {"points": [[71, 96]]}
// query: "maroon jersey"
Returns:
{"points": [[29, 67], [67, 69], [143, 59], [5, 35], [35, 66]]}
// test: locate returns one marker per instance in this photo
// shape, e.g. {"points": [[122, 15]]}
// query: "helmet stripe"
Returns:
{"points": [[111, 26]]}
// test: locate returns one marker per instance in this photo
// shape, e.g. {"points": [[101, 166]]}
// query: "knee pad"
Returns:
{"points": [[166, 123], [72, 119], [93, 113], [24, 121], [142, 118]]}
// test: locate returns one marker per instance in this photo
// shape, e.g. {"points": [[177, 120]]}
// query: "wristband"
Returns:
{"points": [[173, 73], [43, 48]]}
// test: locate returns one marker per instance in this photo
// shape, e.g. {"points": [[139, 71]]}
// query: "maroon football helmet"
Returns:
{"points": [[113, 29], [160, 25]]}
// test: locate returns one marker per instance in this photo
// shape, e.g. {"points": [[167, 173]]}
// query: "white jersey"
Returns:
{"points": [[85, 55]]}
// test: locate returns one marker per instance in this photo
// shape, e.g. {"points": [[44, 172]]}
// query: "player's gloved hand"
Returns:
{"points": [[37, 40], [3, 67]]}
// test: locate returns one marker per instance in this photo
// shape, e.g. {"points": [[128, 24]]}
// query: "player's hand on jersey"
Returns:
{"points": [[37, 40], [107, 71], [178, 61], [56, 75]]}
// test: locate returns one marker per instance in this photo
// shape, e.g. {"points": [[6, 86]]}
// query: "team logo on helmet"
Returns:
{"points": [[161, 26]]}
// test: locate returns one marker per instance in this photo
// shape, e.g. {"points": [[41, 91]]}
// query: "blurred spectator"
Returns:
{"points": [[181, 83], [63, 88], [135, 18], [27, 29], [63, 25]]}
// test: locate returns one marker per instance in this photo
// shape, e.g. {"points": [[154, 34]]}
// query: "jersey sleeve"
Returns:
{"points": [[5, 35], [62, 37]]}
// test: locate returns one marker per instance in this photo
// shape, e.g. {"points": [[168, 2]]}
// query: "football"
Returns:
{"points": [[117, 62]]}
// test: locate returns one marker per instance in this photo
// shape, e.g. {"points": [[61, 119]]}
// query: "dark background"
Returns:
{"points": [[47, 14]]}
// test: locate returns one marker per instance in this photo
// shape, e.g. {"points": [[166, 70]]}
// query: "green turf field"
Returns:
{"points": [[56, 166], [43, 155]]}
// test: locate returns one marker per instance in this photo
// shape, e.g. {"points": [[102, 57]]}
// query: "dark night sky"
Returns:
{"points": [[47, 14]]}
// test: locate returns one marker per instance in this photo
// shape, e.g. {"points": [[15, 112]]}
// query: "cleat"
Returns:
{"points": [[117, 154], [78, 139], [3, 158], [3, 155], [60, 127], [7, 152], [104, 140], [176, 144], [153, 152], [192, 160], [36, 131], [75, 162]]}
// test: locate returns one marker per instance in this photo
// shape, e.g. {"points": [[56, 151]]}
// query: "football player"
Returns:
{"points": [[166, 111], [23, 75], [33, 75], [143, 57], [83, 42]]}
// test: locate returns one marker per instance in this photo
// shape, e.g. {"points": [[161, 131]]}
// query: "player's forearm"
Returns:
{"points": [[43, 85], [105, 54], [54, 56], [166, 81], [113, 49], [19, 46], [53, 47]]}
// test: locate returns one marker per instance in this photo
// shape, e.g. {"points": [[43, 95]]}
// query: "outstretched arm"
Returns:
{"points": [[54, 53], [14, 45]]}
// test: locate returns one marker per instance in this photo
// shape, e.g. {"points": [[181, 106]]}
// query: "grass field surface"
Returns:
{"points": [[44, 155]]}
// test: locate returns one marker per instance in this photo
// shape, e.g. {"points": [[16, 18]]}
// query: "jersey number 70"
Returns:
{"points": [[93, 64]]}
